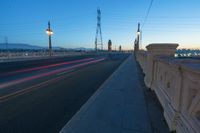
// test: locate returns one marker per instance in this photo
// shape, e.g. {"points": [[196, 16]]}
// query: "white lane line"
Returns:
{"points": [[65, 72]]}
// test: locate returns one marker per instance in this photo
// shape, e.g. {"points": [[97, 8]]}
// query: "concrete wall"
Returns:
{"points": [[176, 83]]}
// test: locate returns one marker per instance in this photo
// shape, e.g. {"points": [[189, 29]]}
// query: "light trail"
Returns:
{"points": [[44, 67], [31, 88], [14, 82]]}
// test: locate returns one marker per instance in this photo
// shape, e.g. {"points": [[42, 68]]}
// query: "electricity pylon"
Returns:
{"points": [[98, 37]]}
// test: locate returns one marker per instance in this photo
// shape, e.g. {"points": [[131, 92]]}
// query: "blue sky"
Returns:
{"points": [[74, 22]]}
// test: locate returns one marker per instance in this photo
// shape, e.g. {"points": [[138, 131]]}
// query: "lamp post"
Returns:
{"points": [[6, 43], [109, 45], [137, 40], [138, 35], [49, 33]]}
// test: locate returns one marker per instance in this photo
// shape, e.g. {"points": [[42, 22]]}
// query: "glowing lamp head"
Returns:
{"points": [[138, 33], [49, 32]]}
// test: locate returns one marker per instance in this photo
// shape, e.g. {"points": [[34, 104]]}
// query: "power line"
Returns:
{"points": [[171, 31], [147, 14]]}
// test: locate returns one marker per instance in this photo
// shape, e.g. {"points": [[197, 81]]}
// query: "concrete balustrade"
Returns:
{"points": [[19, 56], [142, 59], [176, 83]]}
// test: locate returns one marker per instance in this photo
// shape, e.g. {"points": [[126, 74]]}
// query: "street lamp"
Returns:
{"points": [[138, 30], [49, 33], [138, 34], [7, 51]]}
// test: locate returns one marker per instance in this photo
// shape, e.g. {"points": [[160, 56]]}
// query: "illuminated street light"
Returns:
{"points": [[138, 30], [49, 33], [137, 40], [138, 34]]}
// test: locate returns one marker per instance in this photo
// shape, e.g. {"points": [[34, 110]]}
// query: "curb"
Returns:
{"points": [[89, 102]]}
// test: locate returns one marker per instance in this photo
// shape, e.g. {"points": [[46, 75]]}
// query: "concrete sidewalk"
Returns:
{"points": [[118, 106]]}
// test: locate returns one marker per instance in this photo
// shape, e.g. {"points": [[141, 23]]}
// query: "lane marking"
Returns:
{"points": [[29, 89], [65, 72]]}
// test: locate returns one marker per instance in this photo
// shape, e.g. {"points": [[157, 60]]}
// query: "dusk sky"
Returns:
{"points": [[74, 22]]}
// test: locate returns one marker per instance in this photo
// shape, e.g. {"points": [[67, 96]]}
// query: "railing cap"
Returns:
{"points": [[162, 46], [162, 49]]}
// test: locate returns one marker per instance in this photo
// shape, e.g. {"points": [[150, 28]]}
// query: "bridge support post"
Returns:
{"points": [[157, 50]]}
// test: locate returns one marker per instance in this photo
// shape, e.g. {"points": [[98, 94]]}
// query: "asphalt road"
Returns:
{"points": [[41, 96]]}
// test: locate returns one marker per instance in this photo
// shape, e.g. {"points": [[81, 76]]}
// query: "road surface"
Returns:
{"points": [[41, 96]]}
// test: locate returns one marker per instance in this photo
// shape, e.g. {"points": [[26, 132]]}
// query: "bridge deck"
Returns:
{"points": [[119, 106]]}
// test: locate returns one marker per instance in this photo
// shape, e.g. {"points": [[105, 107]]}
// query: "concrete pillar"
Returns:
{"points": [[157, 50]]}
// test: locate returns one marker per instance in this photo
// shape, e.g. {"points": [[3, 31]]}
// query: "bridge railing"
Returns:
{"points": [[17, 56], [142, 59], [176, 83]]}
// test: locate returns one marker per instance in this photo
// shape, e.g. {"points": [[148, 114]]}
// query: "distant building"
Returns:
{"points": [[109, 45], [136, 45], [120, 48]]}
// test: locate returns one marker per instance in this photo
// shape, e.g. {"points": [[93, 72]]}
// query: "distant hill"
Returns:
{"points": [[34, 47], [19, 46], [84, 49]]}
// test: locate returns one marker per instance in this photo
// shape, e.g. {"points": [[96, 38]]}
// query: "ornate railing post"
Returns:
{"points": [[157, 50]]}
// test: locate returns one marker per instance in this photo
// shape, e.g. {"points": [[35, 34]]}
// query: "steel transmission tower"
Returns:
{"points": [[98, 38]]}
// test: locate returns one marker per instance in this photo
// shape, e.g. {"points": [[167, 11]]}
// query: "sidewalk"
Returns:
{"points": [[118, 106]]}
